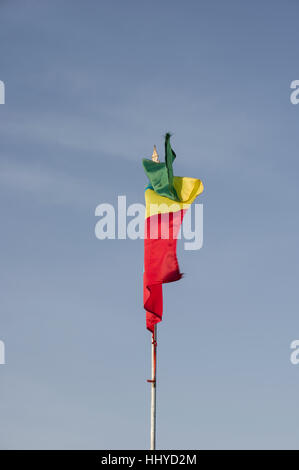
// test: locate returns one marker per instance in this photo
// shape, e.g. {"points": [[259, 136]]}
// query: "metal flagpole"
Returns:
{"points": [[153, 381], [153, 391]]}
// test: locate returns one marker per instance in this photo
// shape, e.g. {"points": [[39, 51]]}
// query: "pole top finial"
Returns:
{"points": [[155, 156]]}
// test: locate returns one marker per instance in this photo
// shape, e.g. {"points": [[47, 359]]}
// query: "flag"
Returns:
{"points": [[167, 198]]}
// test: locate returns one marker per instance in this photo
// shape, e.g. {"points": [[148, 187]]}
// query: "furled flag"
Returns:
{"points": [[167, 199]]}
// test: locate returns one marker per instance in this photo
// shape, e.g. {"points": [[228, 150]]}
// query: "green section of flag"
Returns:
{"points": [[161, 174]]}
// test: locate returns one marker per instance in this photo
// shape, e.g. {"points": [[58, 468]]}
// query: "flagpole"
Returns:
{"points": [[155, 158], [153, 389]]}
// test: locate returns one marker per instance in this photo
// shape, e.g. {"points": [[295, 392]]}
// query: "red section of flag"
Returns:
{"points": [[160, 261]]}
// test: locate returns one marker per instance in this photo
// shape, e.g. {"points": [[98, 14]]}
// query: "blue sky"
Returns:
{"points": [[90, 87]]}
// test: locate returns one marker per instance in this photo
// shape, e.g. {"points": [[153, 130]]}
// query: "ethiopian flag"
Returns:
{"points": [[167, 199]]}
